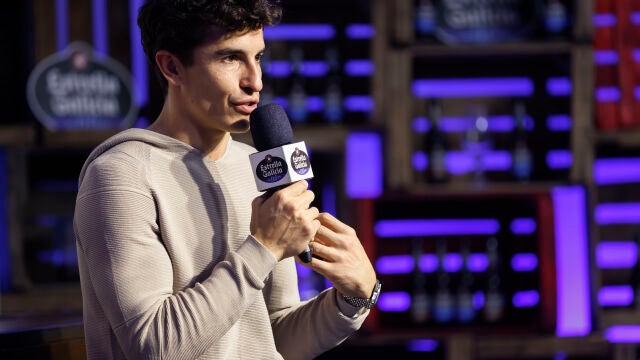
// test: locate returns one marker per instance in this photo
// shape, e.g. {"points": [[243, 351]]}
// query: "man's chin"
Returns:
{"points": [[240, 127]]}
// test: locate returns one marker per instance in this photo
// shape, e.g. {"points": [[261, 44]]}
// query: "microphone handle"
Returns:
{"points": [[306, 255]]}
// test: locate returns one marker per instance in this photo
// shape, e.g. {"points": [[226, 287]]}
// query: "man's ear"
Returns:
{"points": [[170, 66]]}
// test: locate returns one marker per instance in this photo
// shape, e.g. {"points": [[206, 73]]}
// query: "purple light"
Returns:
{"points": [[635, 18], [636, 55], [315, 103], [282, 68], [300, 32], [617, 213], [279, 68], [359, 67], [394, 264], [607, 94], [422, 345], [497, 124], [616, 295], [421, 125], [524, 262], [435, 227], [420, 160], [528, 298], [605, 20], [357, 103], [100, 27], [559, 122], [478, 262], [329, 198], [360, 31], [452, 263], [139, 67], [523, 226], [616, 254], [478, 300], [62, 24], [636, 92], [559, 86], [472, 87], [363, 163], [403, 264], [573, 306], [559, 159], [605, 57], [428, 263], [315, 68], [462, 162], [394, 301], [616, 171], [623, 334]]}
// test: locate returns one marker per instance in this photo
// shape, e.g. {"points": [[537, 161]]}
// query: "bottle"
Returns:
{"points": [[425, 19], [556, 17], [464, 297], [494, 299], [437, 146], [521, 157], [443, 302], [477, 142], [420, 302], [298, 112]]}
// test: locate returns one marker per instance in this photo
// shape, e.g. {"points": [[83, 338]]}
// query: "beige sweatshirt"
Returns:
{"points": [[168, 267]]}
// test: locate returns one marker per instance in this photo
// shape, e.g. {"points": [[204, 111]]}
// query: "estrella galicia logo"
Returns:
{"points": [[74, 89], [272, 169], [300, 162]]}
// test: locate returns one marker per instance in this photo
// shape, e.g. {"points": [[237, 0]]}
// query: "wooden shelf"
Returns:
{"points": [[13, 135], [625, 138], [611, 317], [504, 49]]}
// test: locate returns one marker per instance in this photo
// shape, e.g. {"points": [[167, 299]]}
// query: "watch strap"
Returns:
{"points": [[365, 303]]}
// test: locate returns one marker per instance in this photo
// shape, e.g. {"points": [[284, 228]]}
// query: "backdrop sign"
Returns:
{"points": [[486, 21], [78, 90]]}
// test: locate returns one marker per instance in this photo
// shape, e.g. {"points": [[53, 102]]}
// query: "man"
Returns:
{"points": [[180, 257]]}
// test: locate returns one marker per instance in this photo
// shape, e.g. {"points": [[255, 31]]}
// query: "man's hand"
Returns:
{"points": [[283, 222], [343, 260]]}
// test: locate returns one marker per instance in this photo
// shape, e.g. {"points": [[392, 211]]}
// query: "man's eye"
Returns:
{"points": [[230, 58]]}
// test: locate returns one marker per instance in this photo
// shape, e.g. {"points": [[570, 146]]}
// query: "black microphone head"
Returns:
{"points": [[270, 127]]}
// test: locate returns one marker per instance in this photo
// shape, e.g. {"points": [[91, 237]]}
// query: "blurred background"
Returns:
{"points": [[487, 152]]}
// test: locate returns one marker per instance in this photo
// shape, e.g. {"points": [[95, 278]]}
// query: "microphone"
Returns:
{"points": [[278, 162]]}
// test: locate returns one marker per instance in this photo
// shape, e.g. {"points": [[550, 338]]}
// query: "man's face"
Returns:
{"points": [[221, 87]]}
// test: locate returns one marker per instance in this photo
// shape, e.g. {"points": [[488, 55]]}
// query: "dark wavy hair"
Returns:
{"points": [[179, 26]]}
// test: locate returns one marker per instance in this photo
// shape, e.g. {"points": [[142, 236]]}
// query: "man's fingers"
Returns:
{"points": [[333, 223]]}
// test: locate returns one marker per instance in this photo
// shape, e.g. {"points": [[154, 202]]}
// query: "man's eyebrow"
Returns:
{"points": [[233, 51], [228, 51]]}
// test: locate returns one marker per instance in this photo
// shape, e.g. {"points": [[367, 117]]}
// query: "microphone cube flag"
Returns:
{"points": [[281, 166]]}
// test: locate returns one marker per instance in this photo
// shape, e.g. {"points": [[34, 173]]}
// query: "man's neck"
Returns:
{"points": [[211, 143]]}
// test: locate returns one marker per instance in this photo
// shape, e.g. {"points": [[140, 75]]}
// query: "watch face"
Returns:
{"points": [[376, 294]]}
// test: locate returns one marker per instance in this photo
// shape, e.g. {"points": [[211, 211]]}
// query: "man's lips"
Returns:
{"points": [[246, 107]]}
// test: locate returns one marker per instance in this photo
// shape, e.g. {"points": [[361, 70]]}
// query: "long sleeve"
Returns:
{"points": [[306, 330], [132, 273]]}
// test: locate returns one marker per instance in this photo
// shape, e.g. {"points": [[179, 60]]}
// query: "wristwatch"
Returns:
{"points": [[365, 303]]}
